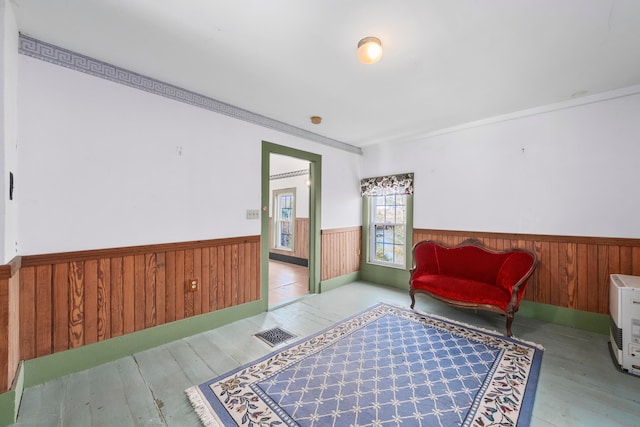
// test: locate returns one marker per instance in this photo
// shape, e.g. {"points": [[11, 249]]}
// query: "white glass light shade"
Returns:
{"points": [[369, 50]]}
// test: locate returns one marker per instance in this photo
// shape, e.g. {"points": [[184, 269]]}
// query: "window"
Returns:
{"points": [[284, 218], [388, 229], [387, 200]]}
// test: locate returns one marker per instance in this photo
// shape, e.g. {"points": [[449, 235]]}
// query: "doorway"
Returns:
{"points": [[290, 236], [287, 282], [289, 183]]}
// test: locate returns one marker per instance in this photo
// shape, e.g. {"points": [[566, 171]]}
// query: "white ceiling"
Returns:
{"points": [[445, 63]]}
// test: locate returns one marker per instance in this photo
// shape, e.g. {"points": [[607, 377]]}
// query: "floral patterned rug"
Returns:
{"points": [[385, 366]]}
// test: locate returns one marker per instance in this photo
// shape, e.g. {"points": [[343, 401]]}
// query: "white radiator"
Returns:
{"points": [[624, 308]]}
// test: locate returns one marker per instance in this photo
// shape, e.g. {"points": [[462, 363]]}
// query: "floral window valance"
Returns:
{"points": [[385, 185]]}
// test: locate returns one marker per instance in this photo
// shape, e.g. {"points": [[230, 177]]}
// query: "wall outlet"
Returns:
{"points": [[193, 285], [253, 213]]}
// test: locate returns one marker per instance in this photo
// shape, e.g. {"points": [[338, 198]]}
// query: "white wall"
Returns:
{"points": [[571, 171], [283, 164], [8, 125], [104, 165]]}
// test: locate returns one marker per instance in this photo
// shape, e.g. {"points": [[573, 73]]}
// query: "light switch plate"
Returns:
{"points": [[253, 213]]}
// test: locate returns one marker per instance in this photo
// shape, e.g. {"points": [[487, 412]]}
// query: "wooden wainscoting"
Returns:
{"points": [[341, 249], [573, 272], [9, 323], [300, 243], [68, 300]]}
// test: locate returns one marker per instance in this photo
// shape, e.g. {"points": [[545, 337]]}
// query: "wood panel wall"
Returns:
{"points": [[300, 243], [60, 301], [9, 323], [341, 248], [72, 299], [572, 272], [4, 333]]}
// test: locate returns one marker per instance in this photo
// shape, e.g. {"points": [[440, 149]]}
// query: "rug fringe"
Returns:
{"points": [[199, 404], [467, 325]]}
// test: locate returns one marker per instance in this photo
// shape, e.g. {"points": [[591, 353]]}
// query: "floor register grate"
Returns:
{"points": [[274, 336]]}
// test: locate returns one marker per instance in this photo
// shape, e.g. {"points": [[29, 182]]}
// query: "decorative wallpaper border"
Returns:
{"points": [[38, 49], [289, 174]]}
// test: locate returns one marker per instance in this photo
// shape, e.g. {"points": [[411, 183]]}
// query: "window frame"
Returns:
{"points": [[373, 224], [397, 277], [277, 193]]}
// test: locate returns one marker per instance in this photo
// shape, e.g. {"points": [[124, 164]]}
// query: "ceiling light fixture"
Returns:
{"points": [[369, 50], [316, 120]]}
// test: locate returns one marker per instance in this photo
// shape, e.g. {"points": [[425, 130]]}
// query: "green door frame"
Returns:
{"points": [[315, 171]]}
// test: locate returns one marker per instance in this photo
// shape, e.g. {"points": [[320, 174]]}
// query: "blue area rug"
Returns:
{"points": [[386, 366]]}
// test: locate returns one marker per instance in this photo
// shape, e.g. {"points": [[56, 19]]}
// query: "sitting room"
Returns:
{"points": [[319, 213]]}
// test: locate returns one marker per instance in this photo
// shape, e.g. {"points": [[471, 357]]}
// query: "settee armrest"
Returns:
{"points": [[425, 258], [516, 270]]}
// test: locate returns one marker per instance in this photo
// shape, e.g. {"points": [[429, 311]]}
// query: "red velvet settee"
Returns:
{"points": [[472, 276]]}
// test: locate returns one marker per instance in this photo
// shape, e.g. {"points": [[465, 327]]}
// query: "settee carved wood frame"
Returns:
{"points": [[514, 303]]}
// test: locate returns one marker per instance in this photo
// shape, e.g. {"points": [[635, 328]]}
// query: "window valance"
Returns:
{"points": [[385, 185]]}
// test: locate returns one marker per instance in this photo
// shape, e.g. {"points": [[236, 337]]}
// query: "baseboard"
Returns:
{"points": [[336, 282], [46, 368], [10, 400], [578, 319], [289, 259], [387, 276]]}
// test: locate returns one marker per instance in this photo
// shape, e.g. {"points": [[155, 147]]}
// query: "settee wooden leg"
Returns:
{"points": [[509, 322], [413, 299]]}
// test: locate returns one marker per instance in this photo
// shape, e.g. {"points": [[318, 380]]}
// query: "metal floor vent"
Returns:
{"points": [[274, 336]]}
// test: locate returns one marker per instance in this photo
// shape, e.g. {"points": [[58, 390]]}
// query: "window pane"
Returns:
{"points": [[389, 215], [398, 254], [401, 217], [399, 235], [284, 220], [389, 234], [379, 233], [388, 231]]}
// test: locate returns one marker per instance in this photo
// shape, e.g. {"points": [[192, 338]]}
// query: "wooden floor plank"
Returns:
{"points": [[206, 347], [44, 403], [109, 408], [242, 347], [77, 402], [166, 381], [192, 365], [287, 282], [140, 399], [578, 382], [590, 407]]}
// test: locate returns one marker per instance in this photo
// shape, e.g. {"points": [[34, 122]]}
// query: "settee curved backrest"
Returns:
{"points": [[470, 260]]}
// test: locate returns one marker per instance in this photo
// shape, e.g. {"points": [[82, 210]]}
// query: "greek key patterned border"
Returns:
{"points": [[56, 55], [289, 174]]}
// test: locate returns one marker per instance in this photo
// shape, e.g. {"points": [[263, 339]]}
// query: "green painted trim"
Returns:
{"points": [[336, 282], [315, 198], [390, 276], [10, 400], [8, 408], [578, 319], [46, 368]]}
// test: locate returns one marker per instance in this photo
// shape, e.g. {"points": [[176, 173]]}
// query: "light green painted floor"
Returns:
{"points": [[578, 385]]}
